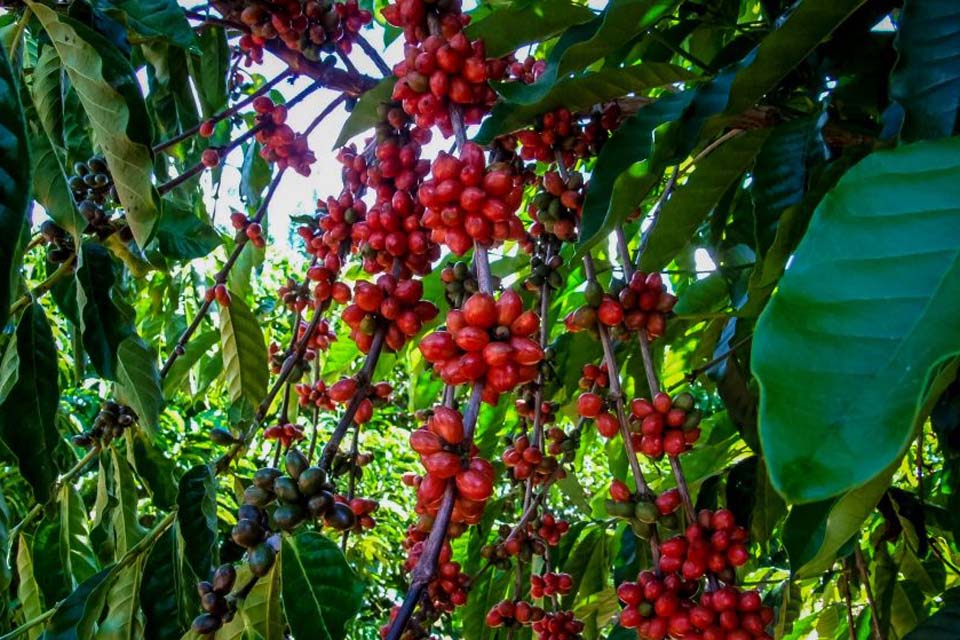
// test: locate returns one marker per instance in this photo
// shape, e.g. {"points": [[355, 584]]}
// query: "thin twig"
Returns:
{"points": [[65, 269], [374, 55], [865, 578]]}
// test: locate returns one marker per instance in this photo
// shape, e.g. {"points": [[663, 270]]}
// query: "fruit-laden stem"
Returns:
{"points": [[427, 565], [220, 278], [226, 113]]}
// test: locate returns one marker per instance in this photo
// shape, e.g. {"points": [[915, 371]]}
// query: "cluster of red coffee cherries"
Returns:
{"points": [[713, 543], [441, 68], [487, 341], [468, 201], [314, 395], [643, 304], [287, 434], [561, 132], [397, 304], [524, 460], [558, 625], [666, 425], [309, 27], [281, 145], [509, 613], [252, 230], [550, 584]]}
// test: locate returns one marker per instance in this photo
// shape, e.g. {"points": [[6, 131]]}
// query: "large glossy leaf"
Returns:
{"points": [[152, 19], [244, 352], [55, 584], [861, 322], [944, 623], [167, 597], [811, 23], [196, 348], [47, 93], [261, 611], [364, 115], [926, 80], [587, 564], [621, 21], [209, 70], [50, 187], [576, 93], [139, 381], [693, 201], [123, 605], [815, 532], [154, 468], [106, 321], [197, 519], [511, 26], [27, 415], [76, 551], [321, 594], [182, 235], [110, 95], [126, 525], [78, 613], [28, 592], [14, 181]]}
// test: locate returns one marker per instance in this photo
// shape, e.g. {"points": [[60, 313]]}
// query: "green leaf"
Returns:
{"points": [[703, 296], [512, 26], [28, 592], [209, 70], [152, 19], [105, 320], [123, 605], [255, 175], [197, 519], [14, 182], [139, 381], [154, 468], [261, 608], [55, 584], [9, 365], [192, 353], [50, 187], [76, 552], [926, 79], [28, 414], [621, 21], [816, 531], [78, 613], [321, 593], [244, 352], [944, 623], [779, 52], [167, 596], [110, 94], [587, 564], [48, 94], [692, 202], [860, 333], [577, 93], [182, 235], [126, 525], [364, 115]]}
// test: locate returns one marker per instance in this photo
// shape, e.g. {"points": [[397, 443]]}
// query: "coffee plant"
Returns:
{"points": [[611, 319]]}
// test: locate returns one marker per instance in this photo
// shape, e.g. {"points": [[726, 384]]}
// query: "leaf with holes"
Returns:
{"points": [[244, 352], [321, 593], [110, 95], [862, 333]]}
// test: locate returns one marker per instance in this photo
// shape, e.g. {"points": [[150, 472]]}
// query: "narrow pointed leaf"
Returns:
{"points": [[512, 26], [152, 19], [154, 468], [244, 352], [76, 551], [167, 596], [28, 591], [78, 613], [197, 519], [139, 381], [126, 525], [123, 605]]}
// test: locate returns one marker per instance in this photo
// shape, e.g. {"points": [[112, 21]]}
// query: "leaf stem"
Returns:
{"points": [[65, 269]]}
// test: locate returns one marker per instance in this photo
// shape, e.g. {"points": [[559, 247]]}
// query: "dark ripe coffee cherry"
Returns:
{"points": [[286, 489], [288, 516], [223, 578], [261, 560], [97, 164], [214, 603], [247, 533], [341, 517], [311, 481], [256, 496], [77, 185], [295, 463], [264, 478], [320, 504], [250, 512], [81, 168], [203, 588], [206, 623]]}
